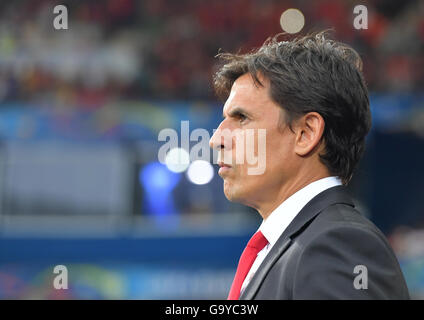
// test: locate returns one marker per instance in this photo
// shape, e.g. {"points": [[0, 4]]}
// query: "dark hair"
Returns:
{"points": [[311, 73]]}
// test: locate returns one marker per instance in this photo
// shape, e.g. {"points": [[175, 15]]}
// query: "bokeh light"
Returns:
{"points": [[200, 172], [177, 160], [292, 21]]}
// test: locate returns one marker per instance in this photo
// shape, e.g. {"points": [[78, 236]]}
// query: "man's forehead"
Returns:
{"points": [[244, 94], [228, 104]]}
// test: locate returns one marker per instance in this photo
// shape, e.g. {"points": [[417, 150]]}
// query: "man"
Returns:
{"points": [[310, 97]]}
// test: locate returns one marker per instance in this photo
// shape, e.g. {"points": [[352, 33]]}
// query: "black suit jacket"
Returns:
{"points": [[316, 256]]}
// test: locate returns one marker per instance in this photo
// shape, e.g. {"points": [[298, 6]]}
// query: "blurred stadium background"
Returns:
{"points": [[80, 113]]}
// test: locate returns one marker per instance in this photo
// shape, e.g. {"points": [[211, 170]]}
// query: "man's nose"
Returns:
{"points": [[217, 140]]}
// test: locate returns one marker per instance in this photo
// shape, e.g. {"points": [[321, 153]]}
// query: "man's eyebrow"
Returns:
{"points": [[237, 111]]}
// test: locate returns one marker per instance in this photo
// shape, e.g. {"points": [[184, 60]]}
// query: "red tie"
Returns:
{"points": [[255, 244]]}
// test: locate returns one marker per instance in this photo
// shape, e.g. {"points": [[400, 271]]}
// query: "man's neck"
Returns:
{"points": [[285, 192]]}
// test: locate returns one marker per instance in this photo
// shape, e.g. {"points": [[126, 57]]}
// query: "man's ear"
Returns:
{"points": [[309, 131]]}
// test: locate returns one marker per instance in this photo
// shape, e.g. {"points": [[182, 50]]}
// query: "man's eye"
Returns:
{"points": [[242, 117]]}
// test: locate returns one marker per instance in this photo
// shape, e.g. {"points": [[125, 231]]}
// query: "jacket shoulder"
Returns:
{"points": [[332, 247], [343, 218]]}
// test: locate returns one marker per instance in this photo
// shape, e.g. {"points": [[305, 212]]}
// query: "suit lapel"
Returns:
{"points": [[264, 268], [310, 210]]}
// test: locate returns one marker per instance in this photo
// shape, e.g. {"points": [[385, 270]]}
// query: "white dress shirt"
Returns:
{"points": [[274, 225]]}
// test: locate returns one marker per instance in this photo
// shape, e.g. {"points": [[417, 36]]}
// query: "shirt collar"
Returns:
{"points": [[274, 225]]}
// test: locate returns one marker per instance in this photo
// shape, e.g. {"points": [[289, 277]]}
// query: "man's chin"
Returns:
{"points": [[230, 192]]}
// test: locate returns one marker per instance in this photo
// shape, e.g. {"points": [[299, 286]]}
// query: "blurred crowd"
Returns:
{"points": [[163, 49]]}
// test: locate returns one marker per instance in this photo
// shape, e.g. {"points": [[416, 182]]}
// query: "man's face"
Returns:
{"points": [[248, 109]]}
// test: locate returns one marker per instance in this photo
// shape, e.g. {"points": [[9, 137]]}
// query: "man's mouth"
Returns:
{"points": [[223, 168]]}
